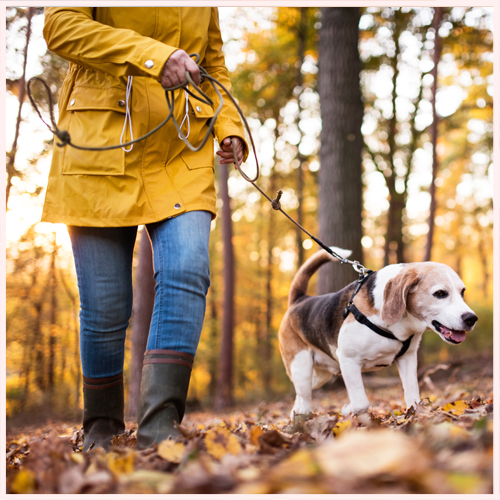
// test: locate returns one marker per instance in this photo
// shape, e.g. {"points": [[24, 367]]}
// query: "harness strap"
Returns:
{"points": [[361, 318]]}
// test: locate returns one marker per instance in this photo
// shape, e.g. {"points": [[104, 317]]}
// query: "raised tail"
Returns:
{"points": [[311, 265]]}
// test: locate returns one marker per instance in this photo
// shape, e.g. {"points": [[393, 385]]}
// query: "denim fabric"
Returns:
{"points": [[103, 261]]}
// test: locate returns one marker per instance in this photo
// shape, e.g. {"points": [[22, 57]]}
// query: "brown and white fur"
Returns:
{"points": [[406, 299]]}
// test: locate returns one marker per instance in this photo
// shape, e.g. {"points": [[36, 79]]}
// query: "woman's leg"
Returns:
{"points": [[103, 261], [182, 274]]}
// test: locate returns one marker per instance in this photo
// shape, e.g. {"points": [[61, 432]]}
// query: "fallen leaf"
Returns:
{"points": [[147, 481], [121, 464], [171, 450], [360, 455], [24, 482], [255, 433], [457, 407], [341, 427], [220, 441]]}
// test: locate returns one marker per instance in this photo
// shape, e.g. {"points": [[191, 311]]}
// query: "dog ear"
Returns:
{"points": [[396, 295]]}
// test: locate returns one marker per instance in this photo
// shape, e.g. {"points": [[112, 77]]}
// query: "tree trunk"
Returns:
{"points": [[224, 397], [301, 50], [52, 317], [340, 187], [39, 347], [438, 14], [11, 170], [394, 233], [144, 296], [266, 344], [213, 359], [394, 244]]}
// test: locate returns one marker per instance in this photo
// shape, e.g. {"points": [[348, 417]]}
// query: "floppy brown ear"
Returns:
{"points": [[396, 295]]}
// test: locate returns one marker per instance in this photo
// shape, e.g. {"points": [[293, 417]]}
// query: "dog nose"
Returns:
{"points": [[469, 319]]}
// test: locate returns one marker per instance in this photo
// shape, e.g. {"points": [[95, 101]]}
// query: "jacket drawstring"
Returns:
{"points": [[128, 115], [186, 117]]}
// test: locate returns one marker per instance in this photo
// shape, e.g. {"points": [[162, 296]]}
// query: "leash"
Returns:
{"points": [[65, 138], [361, 318]]}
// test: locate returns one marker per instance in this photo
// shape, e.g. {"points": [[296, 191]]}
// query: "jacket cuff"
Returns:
{"points": [[152, 59]]}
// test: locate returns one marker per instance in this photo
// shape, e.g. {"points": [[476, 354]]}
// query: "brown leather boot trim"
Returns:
{"points": [[167, 360], [103, 380], [104, 386], [166, 351]]}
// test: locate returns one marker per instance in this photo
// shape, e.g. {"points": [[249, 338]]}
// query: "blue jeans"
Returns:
{"points": [[103, 261]]}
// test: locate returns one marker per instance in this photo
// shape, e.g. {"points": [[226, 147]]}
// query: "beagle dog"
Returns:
{"points": [[402, 300]]}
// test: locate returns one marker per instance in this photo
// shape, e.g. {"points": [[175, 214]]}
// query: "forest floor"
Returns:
{"points": [[443, 446]]}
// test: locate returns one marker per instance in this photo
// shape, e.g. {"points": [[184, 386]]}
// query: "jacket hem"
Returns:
{"points": [[85, 221]]}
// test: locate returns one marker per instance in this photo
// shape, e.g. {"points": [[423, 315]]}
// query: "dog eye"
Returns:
{"points": [[462, 293], [440, 294]]}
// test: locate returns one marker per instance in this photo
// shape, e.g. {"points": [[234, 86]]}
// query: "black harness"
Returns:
{"points": [[361, 318]]}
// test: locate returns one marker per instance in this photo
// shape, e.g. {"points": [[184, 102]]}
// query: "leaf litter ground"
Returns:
{"points": [[443, 446]]}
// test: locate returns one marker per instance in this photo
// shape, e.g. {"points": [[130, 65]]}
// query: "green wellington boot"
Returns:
{"points": [[164, 388], [102, 411]]}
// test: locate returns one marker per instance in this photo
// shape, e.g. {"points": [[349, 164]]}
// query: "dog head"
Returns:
{"points": [[434, 294]]}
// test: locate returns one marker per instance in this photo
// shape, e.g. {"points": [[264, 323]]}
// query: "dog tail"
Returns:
{"points": [[311, 265]]}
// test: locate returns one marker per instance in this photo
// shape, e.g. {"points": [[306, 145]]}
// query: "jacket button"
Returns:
{"points": [[177, 206], [72, 102], [149, 64], [121, 104], [198, 109]]}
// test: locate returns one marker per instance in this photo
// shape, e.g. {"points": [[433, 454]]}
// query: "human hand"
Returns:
{"points": [[174, 71], [226, 151]]}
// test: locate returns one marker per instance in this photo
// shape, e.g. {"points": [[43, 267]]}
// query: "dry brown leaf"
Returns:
{"points": [[360, 455]]}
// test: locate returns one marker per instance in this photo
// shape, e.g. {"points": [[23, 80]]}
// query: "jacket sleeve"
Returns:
{"points": [[228, 123], [72, 33]]}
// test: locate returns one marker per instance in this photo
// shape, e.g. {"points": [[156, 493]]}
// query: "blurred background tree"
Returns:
{"points": [[272, 55]]}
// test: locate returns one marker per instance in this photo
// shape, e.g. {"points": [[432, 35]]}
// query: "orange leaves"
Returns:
{"points": [[428, 449]]}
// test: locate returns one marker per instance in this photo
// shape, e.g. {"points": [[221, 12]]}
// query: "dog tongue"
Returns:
{"points": [[456, 335]]}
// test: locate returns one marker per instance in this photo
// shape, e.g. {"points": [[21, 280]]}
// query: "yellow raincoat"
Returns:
{"points": [[160, 177]]}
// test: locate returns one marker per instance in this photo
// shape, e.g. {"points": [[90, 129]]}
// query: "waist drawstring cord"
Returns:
{"points": [[186, 117], [128, 115]]}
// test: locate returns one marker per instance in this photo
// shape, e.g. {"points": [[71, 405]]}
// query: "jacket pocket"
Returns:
{"points": [[199, 115], [96, 118]]}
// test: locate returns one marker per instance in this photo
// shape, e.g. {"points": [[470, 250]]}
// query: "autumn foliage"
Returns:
{"points": [[444, 445]]}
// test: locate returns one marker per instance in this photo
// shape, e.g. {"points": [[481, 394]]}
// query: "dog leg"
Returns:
{"points": [[320, 377], [407, 366], [351, 372], [301, 370]]}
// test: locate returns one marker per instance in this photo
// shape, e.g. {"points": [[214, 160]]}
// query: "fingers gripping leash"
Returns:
{"points": [[65, 138]]}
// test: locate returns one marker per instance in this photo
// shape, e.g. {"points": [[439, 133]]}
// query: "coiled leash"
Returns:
{"points": [[65, 140]]}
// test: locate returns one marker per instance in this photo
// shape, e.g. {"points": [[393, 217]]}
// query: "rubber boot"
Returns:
{"points": [[164, 388], [102, 411]]}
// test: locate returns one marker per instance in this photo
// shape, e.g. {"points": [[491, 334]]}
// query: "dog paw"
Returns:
{"points": [[353, 410]]}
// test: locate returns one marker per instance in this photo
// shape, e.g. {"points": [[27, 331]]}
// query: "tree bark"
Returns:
{"points": [[11, 170], [438, 14], [224, 397], [301, 51], [142, 310], [52, 317], [394, 233], [340, 187]]}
